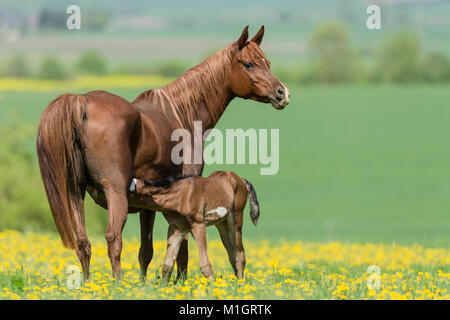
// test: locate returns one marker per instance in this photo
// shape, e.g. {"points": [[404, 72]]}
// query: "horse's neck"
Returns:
{"points": [[200, 94]]}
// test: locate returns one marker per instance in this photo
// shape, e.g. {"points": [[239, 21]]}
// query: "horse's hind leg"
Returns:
{"points": [[147, 220], [228, 242], [115, 179], [240, 253], [83, 244], [117, 211], [109, 156]]}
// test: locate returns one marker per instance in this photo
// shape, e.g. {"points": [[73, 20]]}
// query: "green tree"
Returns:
{"points": [[173, 69], [18, 67], [398, 58], [96, 19], [91, 62], [51, 68], [338, 61], [436, 68], [23, 204]]}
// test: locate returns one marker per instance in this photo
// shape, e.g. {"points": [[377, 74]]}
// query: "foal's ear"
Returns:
{"points": [[259, 36], [242, 42]]}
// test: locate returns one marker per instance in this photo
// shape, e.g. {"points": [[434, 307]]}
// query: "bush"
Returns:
{"points": [[286, 75], [398, 58], [23, 203], [337, 61], [22, 206], [310, 74], [436, 68], [51, 69], [91, 62], [18, 67]]}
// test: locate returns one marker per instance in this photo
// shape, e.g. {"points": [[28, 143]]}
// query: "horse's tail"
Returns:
{"points": [[254, 204], [61, 163]]}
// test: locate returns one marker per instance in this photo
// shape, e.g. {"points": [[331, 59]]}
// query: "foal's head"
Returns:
{"points": [[251, 77]]}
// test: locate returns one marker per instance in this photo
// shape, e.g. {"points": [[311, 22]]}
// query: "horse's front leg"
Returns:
{"points": [[147, 220]]}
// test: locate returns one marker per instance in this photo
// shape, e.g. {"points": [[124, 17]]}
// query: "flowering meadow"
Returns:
{"points": [[85, 82], [36, 266]]}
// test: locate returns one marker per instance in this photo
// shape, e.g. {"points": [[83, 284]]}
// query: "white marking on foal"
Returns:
{"points": [[221, 211]]}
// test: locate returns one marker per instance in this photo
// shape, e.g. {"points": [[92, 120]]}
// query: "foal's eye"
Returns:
{"points": [[248, 65]]}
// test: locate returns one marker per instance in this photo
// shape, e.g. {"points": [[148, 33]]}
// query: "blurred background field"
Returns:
{"points": [[364, 153]]}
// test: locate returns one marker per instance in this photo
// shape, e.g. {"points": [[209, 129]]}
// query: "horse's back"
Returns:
{"points": [[111, 105]]}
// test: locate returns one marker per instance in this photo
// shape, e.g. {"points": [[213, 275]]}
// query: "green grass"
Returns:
{"points": [[34, 266], [357, 163]]}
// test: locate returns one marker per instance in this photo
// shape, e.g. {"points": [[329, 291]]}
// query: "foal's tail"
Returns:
{"points": [[60, 160], [254, 204]]}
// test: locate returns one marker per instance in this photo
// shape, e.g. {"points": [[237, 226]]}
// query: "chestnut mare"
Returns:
{"points": [[102, 140], [192, 203]]}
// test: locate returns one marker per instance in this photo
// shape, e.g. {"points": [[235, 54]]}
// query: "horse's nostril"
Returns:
{"points": [[280, 91]]}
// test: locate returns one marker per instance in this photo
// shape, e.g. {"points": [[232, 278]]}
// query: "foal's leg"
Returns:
{"points": [[117, 211], [228, 242], [182, 255], [199, 233], [174, 238], [83, 249], [182, 259], [147, 220]]}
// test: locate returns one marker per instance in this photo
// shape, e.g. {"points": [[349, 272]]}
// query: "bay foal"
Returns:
{"points": [[190, 204]]}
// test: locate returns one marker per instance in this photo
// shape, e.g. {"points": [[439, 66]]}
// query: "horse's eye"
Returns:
{"points": [[248, 65]]}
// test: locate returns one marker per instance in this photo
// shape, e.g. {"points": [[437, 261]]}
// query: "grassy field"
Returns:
{"points": [[364, 169], [36, 267], [357, 163], [363, 180]]}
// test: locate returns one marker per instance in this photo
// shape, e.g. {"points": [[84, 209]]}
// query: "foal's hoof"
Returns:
{"points": [[207, 271]]}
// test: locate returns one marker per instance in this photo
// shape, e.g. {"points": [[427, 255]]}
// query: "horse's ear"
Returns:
{"points": [[242, 42], [259, 36]]}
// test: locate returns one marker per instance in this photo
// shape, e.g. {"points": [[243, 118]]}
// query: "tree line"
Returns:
{"points": [[333, 58]]}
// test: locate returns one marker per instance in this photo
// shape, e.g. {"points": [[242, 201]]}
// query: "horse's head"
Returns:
{"points": [[251, 77]]}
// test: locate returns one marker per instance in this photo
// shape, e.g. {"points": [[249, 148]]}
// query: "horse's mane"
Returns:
{"points": [[199, 86]]}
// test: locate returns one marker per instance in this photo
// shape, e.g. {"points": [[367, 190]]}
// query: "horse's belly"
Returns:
{"points": [[136, 202]]}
